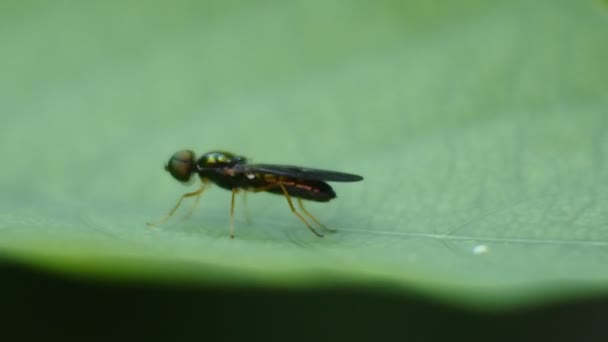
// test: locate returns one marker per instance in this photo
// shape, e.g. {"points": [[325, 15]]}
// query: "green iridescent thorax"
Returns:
{"points": [[218, 159]]}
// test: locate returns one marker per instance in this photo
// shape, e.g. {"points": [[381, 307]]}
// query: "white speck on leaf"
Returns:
{"points": [[480, 249]]}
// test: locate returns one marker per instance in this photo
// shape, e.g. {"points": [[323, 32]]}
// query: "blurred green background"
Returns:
{"points": [[479, 128]]}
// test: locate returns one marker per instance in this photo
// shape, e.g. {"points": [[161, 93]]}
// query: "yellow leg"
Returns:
{"points": [[196, 200], [296, 213], [234, 191], [190, 194], [301, 205]]}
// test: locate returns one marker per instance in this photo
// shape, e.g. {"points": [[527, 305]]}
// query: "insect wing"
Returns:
{"points": [[303, 173]]}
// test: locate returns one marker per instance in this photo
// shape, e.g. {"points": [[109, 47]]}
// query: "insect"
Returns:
{"points": [[233, 173]]}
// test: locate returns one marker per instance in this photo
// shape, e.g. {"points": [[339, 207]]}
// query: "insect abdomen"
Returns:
{"points": [[318, 191]]}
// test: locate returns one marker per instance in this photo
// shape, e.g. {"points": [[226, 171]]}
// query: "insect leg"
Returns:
{"points": [[296, 213], [301, 205], [190, 194], [234, 191], [196, 200]]}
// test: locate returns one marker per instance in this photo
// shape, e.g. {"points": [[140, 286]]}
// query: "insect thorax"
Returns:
{"points": [[218, 159]]}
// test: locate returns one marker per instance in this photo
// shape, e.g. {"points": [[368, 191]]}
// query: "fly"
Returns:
{"points": [[233, 173]]}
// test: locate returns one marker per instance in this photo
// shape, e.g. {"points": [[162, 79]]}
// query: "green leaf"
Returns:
{"points": [[480, 128]]}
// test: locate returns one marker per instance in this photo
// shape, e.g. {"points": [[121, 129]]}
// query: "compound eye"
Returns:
{"points": [[181, 165]]}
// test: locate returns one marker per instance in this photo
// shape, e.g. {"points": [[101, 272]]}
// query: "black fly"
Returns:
{"points": [[233, 173]]}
